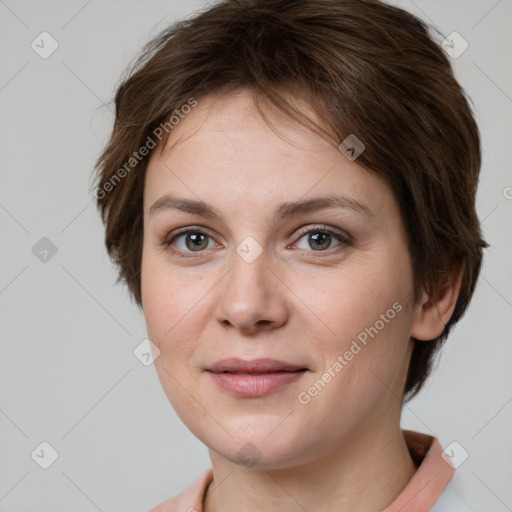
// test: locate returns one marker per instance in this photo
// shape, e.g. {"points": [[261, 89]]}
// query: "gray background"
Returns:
{"points": [[68, 373]]}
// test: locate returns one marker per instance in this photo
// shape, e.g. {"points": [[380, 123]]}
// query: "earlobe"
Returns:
{"points": [[434, 311]]}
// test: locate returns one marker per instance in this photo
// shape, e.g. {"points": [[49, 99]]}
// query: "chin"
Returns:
{"points": [[264, 449]]}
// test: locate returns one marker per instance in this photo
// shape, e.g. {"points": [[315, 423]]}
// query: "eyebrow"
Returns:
{"points": [[284, 210]]}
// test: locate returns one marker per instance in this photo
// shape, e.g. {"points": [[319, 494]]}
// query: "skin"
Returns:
{"points": [[293, 303]]}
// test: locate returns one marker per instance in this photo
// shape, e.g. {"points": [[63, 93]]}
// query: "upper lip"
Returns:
{"points": [[236, 365]]}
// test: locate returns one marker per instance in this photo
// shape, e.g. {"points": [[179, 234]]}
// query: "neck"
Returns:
{"points": [[365, 474]]}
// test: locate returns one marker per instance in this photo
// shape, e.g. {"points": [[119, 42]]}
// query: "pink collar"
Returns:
{"points": [[430, 480]]}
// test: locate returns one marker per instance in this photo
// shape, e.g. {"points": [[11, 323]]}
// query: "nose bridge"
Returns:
{"points": [[251, 296]]}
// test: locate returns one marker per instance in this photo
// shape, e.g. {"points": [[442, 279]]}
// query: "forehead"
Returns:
{"points": [[226, 148], [239, 115]]}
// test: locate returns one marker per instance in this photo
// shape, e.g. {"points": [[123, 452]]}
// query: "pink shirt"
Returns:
{"points": [[420, 494]]}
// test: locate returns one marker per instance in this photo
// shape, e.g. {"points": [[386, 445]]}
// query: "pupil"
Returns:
{"points": [[321, 238], [197, 239]]}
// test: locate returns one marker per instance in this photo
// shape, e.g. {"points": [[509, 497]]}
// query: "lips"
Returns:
{"points": [[256, 378], [256, 366]]}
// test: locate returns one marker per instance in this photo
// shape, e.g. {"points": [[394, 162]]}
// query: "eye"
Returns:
{"points": [[195, 240], [320, 238], [189, 240]]}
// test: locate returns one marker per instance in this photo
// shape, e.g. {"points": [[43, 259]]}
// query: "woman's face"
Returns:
{"points": [[273, 274]]}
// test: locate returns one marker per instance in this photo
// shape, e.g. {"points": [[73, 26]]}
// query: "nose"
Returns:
{"points": [[252, 297]]}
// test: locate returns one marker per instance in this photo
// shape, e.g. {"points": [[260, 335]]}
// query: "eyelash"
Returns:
{"points": [[344, 240]]}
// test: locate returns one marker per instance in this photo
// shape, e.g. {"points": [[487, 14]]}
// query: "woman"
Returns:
{"points": [[289, 194]]}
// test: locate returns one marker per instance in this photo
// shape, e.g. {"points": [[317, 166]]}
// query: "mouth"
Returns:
{"points": [[236, 365], [255, 378]]}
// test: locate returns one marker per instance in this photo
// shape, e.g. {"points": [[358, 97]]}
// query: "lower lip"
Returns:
{"points": [[245, 384]]}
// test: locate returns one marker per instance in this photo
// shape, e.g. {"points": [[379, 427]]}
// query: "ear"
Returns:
{"points": [[434, 311]]}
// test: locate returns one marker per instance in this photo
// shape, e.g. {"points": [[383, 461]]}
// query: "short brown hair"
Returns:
{"points": [[366, 68]]}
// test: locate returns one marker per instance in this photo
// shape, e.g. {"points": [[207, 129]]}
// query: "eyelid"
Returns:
{"points": [[343, 235], [187, 229]]}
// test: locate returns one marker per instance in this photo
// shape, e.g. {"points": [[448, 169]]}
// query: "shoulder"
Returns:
{"points": [[452, 498], [168, 505], [189, 500]]}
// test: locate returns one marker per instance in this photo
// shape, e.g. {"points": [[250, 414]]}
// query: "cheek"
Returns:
{"points": [[167, 300], [168, 308], [363, 349], [353, 299], [364, 316]]}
